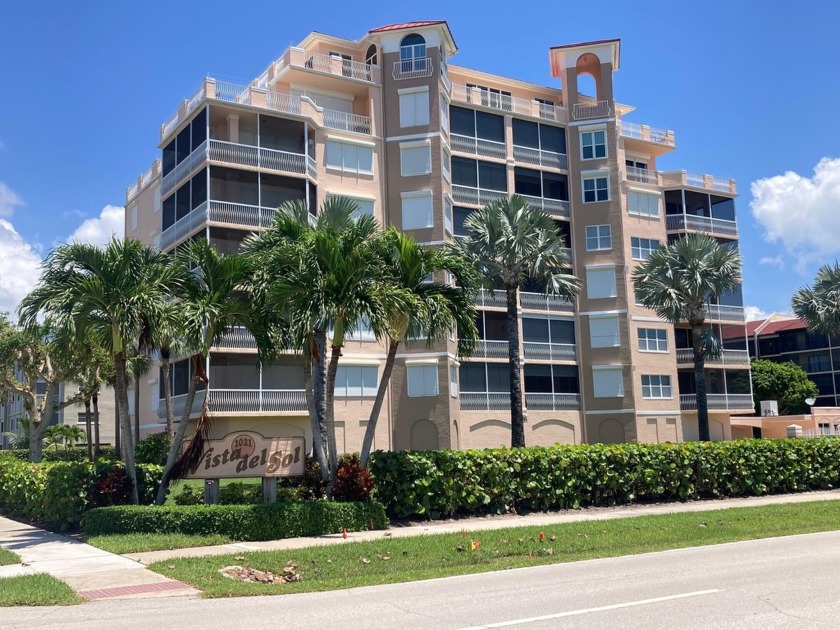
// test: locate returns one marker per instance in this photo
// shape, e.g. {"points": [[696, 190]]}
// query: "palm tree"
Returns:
{"points": [[434, 308], [677, 282], [114, 293], [819, 307], [509, 243]]}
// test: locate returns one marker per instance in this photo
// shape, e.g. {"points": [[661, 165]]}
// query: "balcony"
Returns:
{"points": [[144, 180], [490, 349], [599, 109], [295, 57], [237, 338], [719, 402], [692, 223], [243, 401], [183, 169], [540, 302], [697, 180], [484, 401], [225, 212], [554, 207], [505, 103], [725, 313], [478, 146], [540, 157], [413, 69], [552, 402], [642, 176], [662, 137], [347, 122], [542, 351], [685, 357], [476, 196], [496, 299]]}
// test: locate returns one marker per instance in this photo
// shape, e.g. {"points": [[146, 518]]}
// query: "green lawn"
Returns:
{"points": [[133, 543], [423, 557], [36, 590], [8, 557]]}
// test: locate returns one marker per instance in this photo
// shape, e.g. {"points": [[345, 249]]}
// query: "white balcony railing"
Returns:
{"points": [[346, 121], [699, 180], [600, 109], [491, 349], [542, 351], [506, 103], [701, 224], [330, 64], [257, 400], [552, 402], [477, 146], [444, 77], [237, 338], [724, 312], [685, 356], [183, 227], [496, 299], [476, 196], [413, 68], [554, 207], [641, 175], [214, 211], [718, 402], [540, 157], [187, 166], [540, 302], [484, 401], [664, 137], [261, 157]]}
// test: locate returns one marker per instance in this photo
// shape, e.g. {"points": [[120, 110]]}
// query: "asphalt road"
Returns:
{"points": [[790, 583]]}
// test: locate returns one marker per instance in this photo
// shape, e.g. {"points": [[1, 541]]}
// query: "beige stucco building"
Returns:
{"points": [[418, 142]]}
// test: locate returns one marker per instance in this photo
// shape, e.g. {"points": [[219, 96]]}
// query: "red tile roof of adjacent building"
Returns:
{"points": [[403, 25], [776, 327]]}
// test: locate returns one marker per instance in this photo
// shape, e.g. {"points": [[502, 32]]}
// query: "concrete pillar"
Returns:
{"points": [[269, 489], [211, 491], [233, 127]]}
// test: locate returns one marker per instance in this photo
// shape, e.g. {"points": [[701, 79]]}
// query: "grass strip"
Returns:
{"points": [[392, 560], [36, 590], [134, 543], [8, 557]]}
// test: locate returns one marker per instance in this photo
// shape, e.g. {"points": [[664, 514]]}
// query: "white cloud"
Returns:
{"points": [[99, 230], [9, 199], [754, 313], [800, 212], [19, 264], [776, 261]]}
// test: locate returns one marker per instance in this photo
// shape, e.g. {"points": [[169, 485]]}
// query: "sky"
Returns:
{"points": [[750, 88]]}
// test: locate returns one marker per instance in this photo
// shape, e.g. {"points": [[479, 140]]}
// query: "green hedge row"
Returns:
{"points": [[240, 522], [495, 480], [75, 454]]}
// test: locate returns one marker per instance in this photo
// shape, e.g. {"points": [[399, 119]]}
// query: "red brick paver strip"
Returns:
{"points": [[137, 589]]}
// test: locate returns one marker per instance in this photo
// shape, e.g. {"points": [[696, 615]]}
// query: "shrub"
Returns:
{"points": [[76, 454], [542, 478], [239, 522], [352, 483], [153, 449], [189, 496]]}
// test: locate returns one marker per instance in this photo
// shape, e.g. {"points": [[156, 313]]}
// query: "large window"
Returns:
{"points": [[653, 340], [422, 379], [364, 206], [656, 386], [600, 282], [417, 210], [414, 107], [551, 379], [819, 363], [545, 330], [485, 377], [596, 189], [603, 331], [538, 136], [642, 248], [349, 157], [643, 204], [540, 184], [413, 53], [356, 381], [598, 238], [475, 124], [415, 158], [593, 144], [478, 174], [607, 381]]}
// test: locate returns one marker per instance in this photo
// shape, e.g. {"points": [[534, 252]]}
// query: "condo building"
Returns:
{"points": [[420, 143]]}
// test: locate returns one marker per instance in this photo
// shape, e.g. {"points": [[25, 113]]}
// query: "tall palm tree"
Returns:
{"points": [[677, 282], [113, 293], [509, 242], [433, 308], [819, 306]]}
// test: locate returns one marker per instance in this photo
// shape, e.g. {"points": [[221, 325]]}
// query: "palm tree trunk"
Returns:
{"points": [[117, 423], [121, 389], [319, 387], [88, 436], [700, 384], [166, 369], [96, 424], [370, 431], [136, 406], [317, 437], [332, 370], [517, 421]]}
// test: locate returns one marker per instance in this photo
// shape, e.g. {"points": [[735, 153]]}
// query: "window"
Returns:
{"points": [[414, 107], [643, 204], [539, 136], [444, 114], [596, 189], [361, 331], [593, 144], [653, 340], [607, 381], [642, 248], [415, 158], [600, 282], [598, 238], [656, 386], [444, 164], [134, 216], [475, 124], [603, 331], [634, 164], [535, 183], [819, 363], [453, 381], [422, 379], [447, 214], [417, 210], [413, 53], [478, 174], [356, 381], [365, 206], [348, 157]]}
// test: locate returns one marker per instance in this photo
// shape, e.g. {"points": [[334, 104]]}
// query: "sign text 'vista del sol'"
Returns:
{"points": [[249, 454]]}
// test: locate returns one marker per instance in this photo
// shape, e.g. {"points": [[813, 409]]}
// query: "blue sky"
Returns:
{"points": [[750, 89]]}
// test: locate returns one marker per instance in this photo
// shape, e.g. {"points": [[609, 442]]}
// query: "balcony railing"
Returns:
{"points": [[540, 157], [542, 351], [490, 349], [257, 400], [444, 77], [182, 228], [554, 207], [685, 356], [718, 402], [724, 312], [698, 180], [213, 211], [237, 338], [144, 180], [552, 402], [664, 137], [600, 109], [187, 108], [347, 122], [642, 175], [413, 68], [476, 196], [540, 302], [484, 401], [261, 157], [496, 299], [478, 146], [503, 102], [701, 224], [327, 64], [187, 166]]}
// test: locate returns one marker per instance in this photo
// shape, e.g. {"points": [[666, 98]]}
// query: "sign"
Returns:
{"points": [[249, 454]]}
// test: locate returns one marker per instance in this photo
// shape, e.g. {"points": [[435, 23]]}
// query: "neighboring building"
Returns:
{"points": [[420, 143]]}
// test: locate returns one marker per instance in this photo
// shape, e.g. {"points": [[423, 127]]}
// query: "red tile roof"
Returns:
{"points": [[776, 327], [405, 25]]}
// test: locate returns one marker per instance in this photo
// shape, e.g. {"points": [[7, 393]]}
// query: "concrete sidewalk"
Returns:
{"points": [[488, 523], [91, 572]]}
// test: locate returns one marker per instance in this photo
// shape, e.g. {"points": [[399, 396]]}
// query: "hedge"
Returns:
{"points": [[433, 483], [239, 522], [75, 454]]}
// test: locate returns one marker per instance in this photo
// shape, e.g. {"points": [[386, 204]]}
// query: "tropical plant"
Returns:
{"points": [[429, 309], [66, 434], [819, 306], [510, 243], [678, 282], [786, 383]]}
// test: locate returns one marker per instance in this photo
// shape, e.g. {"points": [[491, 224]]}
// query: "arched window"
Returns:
{"points": [[370, 55], [413, 53]]}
